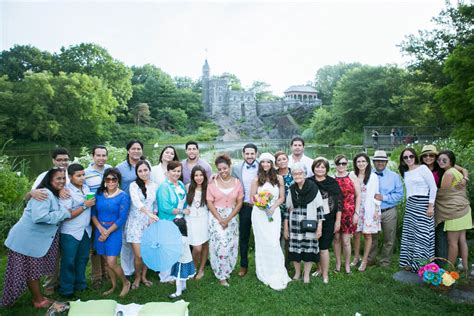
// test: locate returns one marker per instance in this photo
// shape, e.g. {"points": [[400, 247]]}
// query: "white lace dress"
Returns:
{"points": [[198, 221], [269, 259]]}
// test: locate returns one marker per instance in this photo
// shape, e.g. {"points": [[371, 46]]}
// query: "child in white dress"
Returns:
{"points": [[183, 269]]}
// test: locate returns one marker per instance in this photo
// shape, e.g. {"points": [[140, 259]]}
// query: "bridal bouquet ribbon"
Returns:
{"points": [[262, 201]]}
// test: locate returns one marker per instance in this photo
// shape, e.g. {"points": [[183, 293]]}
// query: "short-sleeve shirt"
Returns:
{"points": [[187, 170]]}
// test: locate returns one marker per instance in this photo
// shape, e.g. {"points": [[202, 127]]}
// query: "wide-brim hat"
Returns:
{"points": [[380, 155], [429, 149], [267, 156]]}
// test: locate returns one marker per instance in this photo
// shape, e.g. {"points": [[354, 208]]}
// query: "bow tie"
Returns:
{"points": [[379, 173], [254, 165]]}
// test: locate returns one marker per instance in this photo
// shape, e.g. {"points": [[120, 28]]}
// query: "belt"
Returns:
{"points": [[386, 209], [248, 204], [107, 223]]}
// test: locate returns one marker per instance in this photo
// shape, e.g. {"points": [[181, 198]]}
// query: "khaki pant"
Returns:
{"points": [[389, 230]]}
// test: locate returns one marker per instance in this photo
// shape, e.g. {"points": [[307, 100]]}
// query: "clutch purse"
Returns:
{"points": [[308, 226]]}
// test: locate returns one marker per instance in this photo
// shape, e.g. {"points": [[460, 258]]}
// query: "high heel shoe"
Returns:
{"points": [[355, 262], [363, 266]]}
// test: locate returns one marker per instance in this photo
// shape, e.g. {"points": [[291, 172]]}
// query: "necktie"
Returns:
{"points": [[379, 173], [254, 165]]}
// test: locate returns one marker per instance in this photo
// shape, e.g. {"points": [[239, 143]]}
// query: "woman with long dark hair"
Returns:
{"points": [[33, 243], [453, 208], [143, 212], [109, 215], [159, 172], [418, 234], [370, 215], [198, 218], [266, 224]]}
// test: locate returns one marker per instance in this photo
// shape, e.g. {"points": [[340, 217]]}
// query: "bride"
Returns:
{"points": [[269, 259]]}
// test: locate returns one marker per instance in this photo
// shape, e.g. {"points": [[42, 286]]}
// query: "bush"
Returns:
{"points": [[115, 155], [122, 133], [13, 186]]}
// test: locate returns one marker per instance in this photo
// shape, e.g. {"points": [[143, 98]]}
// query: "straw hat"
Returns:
{"points": [[429, 149], [380, 155]]}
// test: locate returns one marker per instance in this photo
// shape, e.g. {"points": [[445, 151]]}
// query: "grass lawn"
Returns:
{"points": [[373, 292]]}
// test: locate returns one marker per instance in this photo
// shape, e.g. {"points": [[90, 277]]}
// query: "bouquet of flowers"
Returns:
{"points": [[436, 276], [262, 201]]}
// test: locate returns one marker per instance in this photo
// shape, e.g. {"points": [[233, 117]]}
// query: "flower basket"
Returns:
{"points": [[437, 278]]}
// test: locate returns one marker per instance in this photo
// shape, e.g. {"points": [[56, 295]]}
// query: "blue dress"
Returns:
{"points": [[109, 211]]}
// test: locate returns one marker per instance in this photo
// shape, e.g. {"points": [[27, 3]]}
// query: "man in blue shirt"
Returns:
{"points": [[391, 194]]}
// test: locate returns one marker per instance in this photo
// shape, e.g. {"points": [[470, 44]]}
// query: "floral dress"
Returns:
{"points": [[363, 194], [348, 209], [223, 243]]}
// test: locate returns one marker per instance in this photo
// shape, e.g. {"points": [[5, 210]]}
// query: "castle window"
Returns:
{"points": [[220, 98]]}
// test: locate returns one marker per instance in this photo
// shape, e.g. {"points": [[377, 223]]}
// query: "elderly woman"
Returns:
{"points": [[332, 205], [452, 208], [224, 199], [350, 188], [418, 233], [305, 206], [171, 197], [33, 243], [269, 259], [109, 215]]}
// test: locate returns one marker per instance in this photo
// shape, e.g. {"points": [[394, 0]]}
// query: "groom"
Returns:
{"points": [[246, 172]]}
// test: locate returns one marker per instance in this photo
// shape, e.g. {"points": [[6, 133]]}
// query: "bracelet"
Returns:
{"points": [[466, 178]]}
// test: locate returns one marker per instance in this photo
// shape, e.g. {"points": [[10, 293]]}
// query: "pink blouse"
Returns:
{"points": [[221, 199]]}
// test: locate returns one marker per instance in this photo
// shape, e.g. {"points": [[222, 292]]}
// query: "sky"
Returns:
{"points": [[281, 43]]}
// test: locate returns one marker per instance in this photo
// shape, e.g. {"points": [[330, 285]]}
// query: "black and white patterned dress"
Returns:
{"points": [[301, 246]]}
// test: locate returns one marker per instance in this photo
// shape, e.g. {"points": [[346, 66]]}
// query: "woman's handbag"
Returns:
{"points": [[308, 226]]}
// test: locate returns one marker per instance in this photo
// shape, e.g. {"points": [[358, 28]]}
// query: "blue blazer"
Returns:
{"points": [[34, 233]]}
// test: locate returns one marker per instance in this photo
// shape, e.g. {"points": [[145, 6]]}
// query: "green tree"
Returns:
{"points": [[327, 78], [22, 58], [94, 60], [234, 81], [457, 98], [262, 91], [141, 113], [172, 120]]}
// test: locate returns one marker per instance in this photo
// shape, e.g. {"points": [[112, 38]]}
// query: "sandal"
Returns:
{"points": [[147, 283], [46, 302], [135, 286]]}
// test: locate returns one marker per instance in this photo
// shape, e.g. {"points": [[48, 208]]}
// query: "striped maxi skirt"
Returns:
{"points": [[418, 234]]}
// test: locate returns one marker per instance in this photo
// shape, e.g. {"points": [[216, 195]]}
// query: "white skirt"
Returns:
{"points": [[198, 227]]}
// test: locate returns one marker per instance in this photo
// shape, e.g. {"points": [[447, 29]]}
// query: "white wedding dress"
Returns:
{"points": [[269, 259]]}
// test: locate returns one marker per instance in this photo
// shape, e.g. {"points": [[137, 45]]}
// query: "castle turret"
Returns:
{"points": [[206, 73]]}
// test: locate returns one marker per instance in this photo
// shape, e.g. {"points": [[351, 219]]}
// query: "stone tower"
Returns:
{"points": [[206, 74]]}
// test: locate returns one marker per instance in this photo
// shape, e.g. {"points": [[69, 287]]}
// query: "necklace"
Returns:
{"points": [[225, 181]]}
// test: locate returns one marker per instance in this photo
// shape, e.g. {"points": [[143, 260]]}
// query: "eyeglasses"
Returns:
{"points": [[114, 179], [429, 156], [341, 164], [62, 160], [408, 157], [443, 160]]}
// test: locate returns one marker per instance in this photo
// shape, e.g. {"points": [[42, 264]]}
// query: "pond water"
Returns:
{"points": [[39, 159]]}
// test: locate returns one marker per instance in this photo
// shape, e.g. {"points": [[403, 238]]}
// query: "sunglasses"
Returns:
{"points": [[341, 164], [408, 157], [443, 160], [114, 179]]}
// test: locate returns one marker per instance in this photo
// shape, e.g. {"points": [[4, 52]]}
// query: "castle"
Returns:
{"points": [[219, 100]]}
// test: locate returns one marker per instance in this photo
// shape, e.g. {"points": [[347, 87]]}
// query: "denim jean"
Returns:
{"points": [[74, 258]]}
